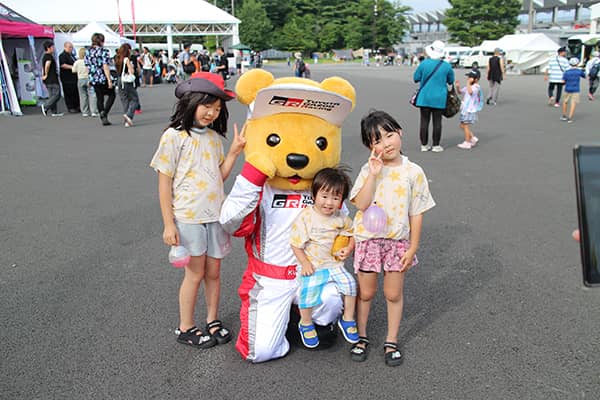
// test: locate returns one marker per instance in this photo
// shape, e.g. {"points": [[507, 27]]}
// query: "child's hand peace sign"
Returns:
{"points": [[239, 140], [375, 163]]}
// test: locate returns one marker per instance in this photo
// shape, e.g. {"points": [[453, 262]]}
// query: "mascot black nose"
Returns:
{"points": [[297, 161]]}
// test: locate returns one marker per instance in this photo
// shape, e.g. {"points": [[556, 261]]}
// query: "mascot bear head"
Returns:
{"points": [[294, 125]]}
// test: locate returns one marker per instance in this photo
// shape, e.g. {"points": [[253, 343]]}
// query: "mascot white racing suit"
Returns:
{"points": [[263, 215]]}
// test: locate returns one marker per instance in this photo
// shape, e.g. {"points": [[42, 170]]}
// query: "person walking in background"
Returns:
{"points": [[146, 61], [495, 74], [434, 75], [222, 63], [185, 59], [592, 68], [50, 79], [299, 65], [97, 59], [68, 79], [571, 78], [554, 75], [127, 91], [87, 96]]}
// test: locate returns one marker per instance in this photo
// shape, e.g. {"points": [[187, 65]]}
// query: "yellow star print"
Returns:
{"points": [[191, 174], [296, 241], [394, 176], [202, 185], [189, 214], [206, 155], [360, 229], [419, 179], [212, 196], [400, 191], [164, 158]]}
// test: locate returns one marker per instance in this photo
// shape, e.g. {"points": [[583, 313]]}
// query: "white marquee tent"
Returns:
{"points": [[139, 17], [528, 51], [112, 39]]}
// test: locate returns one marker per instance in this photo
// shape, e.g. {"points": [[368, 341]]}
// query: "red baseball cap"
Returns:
{"points": [[205, 82]]}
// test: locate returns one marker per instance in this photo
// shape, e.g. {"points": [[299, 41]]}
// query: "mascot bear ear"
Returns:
{"points": [[250, 83], [340, 86]]}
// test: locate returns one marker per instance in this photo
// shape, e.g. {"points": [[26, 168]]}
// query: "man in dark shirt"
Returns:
{"points": [[50, 78], [68, 78], [222, 63]]}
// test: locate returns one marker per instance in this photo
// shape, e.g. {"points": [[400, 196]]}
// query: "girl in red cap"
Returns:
{"points": [[191, 168]]}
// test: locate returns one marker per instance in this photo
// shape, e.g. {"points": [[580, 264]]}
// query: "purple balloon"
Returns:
{"points": [[374, 219]]}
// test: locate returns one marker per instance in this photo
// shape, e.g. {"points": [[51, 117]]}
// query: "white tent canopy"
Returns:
{"points": [[528, 51], [111, 39], [148, 17]]}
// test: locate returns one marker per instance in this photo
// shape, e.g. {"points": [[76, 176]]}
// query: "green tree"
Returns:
{"points": [[472, 21], [256, 28], [297, 34]]}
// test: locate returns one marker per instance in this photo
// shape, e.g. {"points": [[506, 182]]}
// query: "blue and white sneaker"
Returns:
{"points": [[308, 333], [349, 330]]}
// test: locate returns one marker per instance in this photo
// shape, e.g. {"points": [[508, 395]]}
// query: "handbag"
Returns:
{"points": [[126, 77], [189, 68], [452, 103], [413, 98]]}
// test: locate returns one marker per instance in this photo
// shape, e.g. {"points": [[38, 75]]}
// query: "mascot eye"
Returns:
{"points": [[273, 139], [321, 143]]}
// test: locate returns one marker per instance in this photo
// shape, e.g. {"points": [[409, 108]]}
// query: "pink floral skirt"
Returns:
{"points": [[370, 255]]}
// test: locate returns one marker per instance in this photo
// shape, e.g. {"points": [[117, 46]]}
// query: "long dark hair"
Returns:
{"points": [[122, 53], [183, 118]]}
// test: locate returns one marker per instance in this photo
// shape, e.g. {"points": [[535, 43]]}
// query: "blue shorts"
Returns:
{"points": [[312, 286], [200, 239], [468, 118]]}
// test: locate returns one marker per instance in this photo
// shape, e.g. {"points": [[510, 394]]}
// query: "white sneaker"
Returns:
{"points": [[127, 125], [57, 114], [437, 149], [44, 110], [85, 115], [474, 140], [465, 145], [127, 120], [94, 114], [425, 148]]}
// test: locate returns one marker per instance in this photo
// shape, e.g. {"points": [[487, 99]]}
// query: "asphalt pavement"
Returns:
{"points": [[495, 309]]}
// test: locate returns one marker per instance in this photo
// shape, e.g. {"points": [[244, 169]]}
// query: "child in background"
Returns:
{"points": [[571, 78], [191, 169], [312, 238], [472, 102], [400, 188]]}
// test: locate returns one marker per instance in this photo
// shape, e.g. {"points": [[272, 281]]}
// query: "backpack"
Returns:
{"points": [[301, 66], [594, 70], [479, 100]]}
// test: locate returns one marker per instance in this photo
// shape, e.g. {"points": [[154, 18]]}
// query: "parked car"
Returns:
{"points": [[453, 54], [476, 58]]}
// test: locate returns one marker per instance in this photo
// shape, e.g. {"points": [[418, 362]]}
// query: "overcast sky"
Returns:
{"points": [[426, 5]]}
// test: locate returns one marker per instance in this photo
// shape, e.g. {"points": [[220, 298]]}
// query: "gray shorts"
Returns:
{"points": [[200, 239]]}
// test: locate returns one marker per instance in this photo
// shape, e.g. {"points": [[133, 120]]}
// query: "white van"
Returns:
{"points": [[477, 58], [453, 54]]}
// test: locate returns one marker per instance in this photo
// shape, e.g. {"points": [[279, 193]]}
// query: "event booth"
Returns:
{"points": [[21, 46], [524, 53]]}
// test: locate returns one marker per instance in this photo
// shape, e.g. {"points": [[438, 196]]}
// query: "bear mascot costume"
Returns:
{"points": [[293, 131]]}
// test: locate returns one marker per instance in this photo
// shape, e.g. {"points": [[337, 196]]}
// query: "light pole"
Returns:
{"points": [[374, 25], [530, 17]]}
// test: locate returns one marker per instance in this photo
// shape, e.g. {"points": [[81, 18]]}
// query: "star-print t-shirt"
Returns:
{"points": [[401, 191], [193, 162], [315, 234]]}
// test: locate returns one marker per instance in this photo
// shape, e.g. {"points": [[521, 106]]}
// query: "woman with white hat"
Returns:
{"points": [[434, 75]]}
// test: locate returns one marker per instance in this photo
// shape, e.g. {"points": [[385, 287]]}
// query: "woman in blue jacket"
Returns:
{"points": [[433, 74]]}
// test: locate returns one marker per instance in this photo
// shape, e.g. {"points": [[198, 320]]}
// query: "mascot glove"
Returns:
{"points": [[262, 163]]}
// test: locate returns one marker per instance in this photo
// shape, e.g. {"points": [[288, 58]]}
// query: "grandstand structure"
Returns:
{"points": [[546, 16]]}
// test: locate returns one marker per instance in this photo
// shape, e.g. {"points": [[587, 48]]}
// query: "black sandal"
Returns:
{"points": [[392, 358], [358, 353], [221, 335], [195, 338]]}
